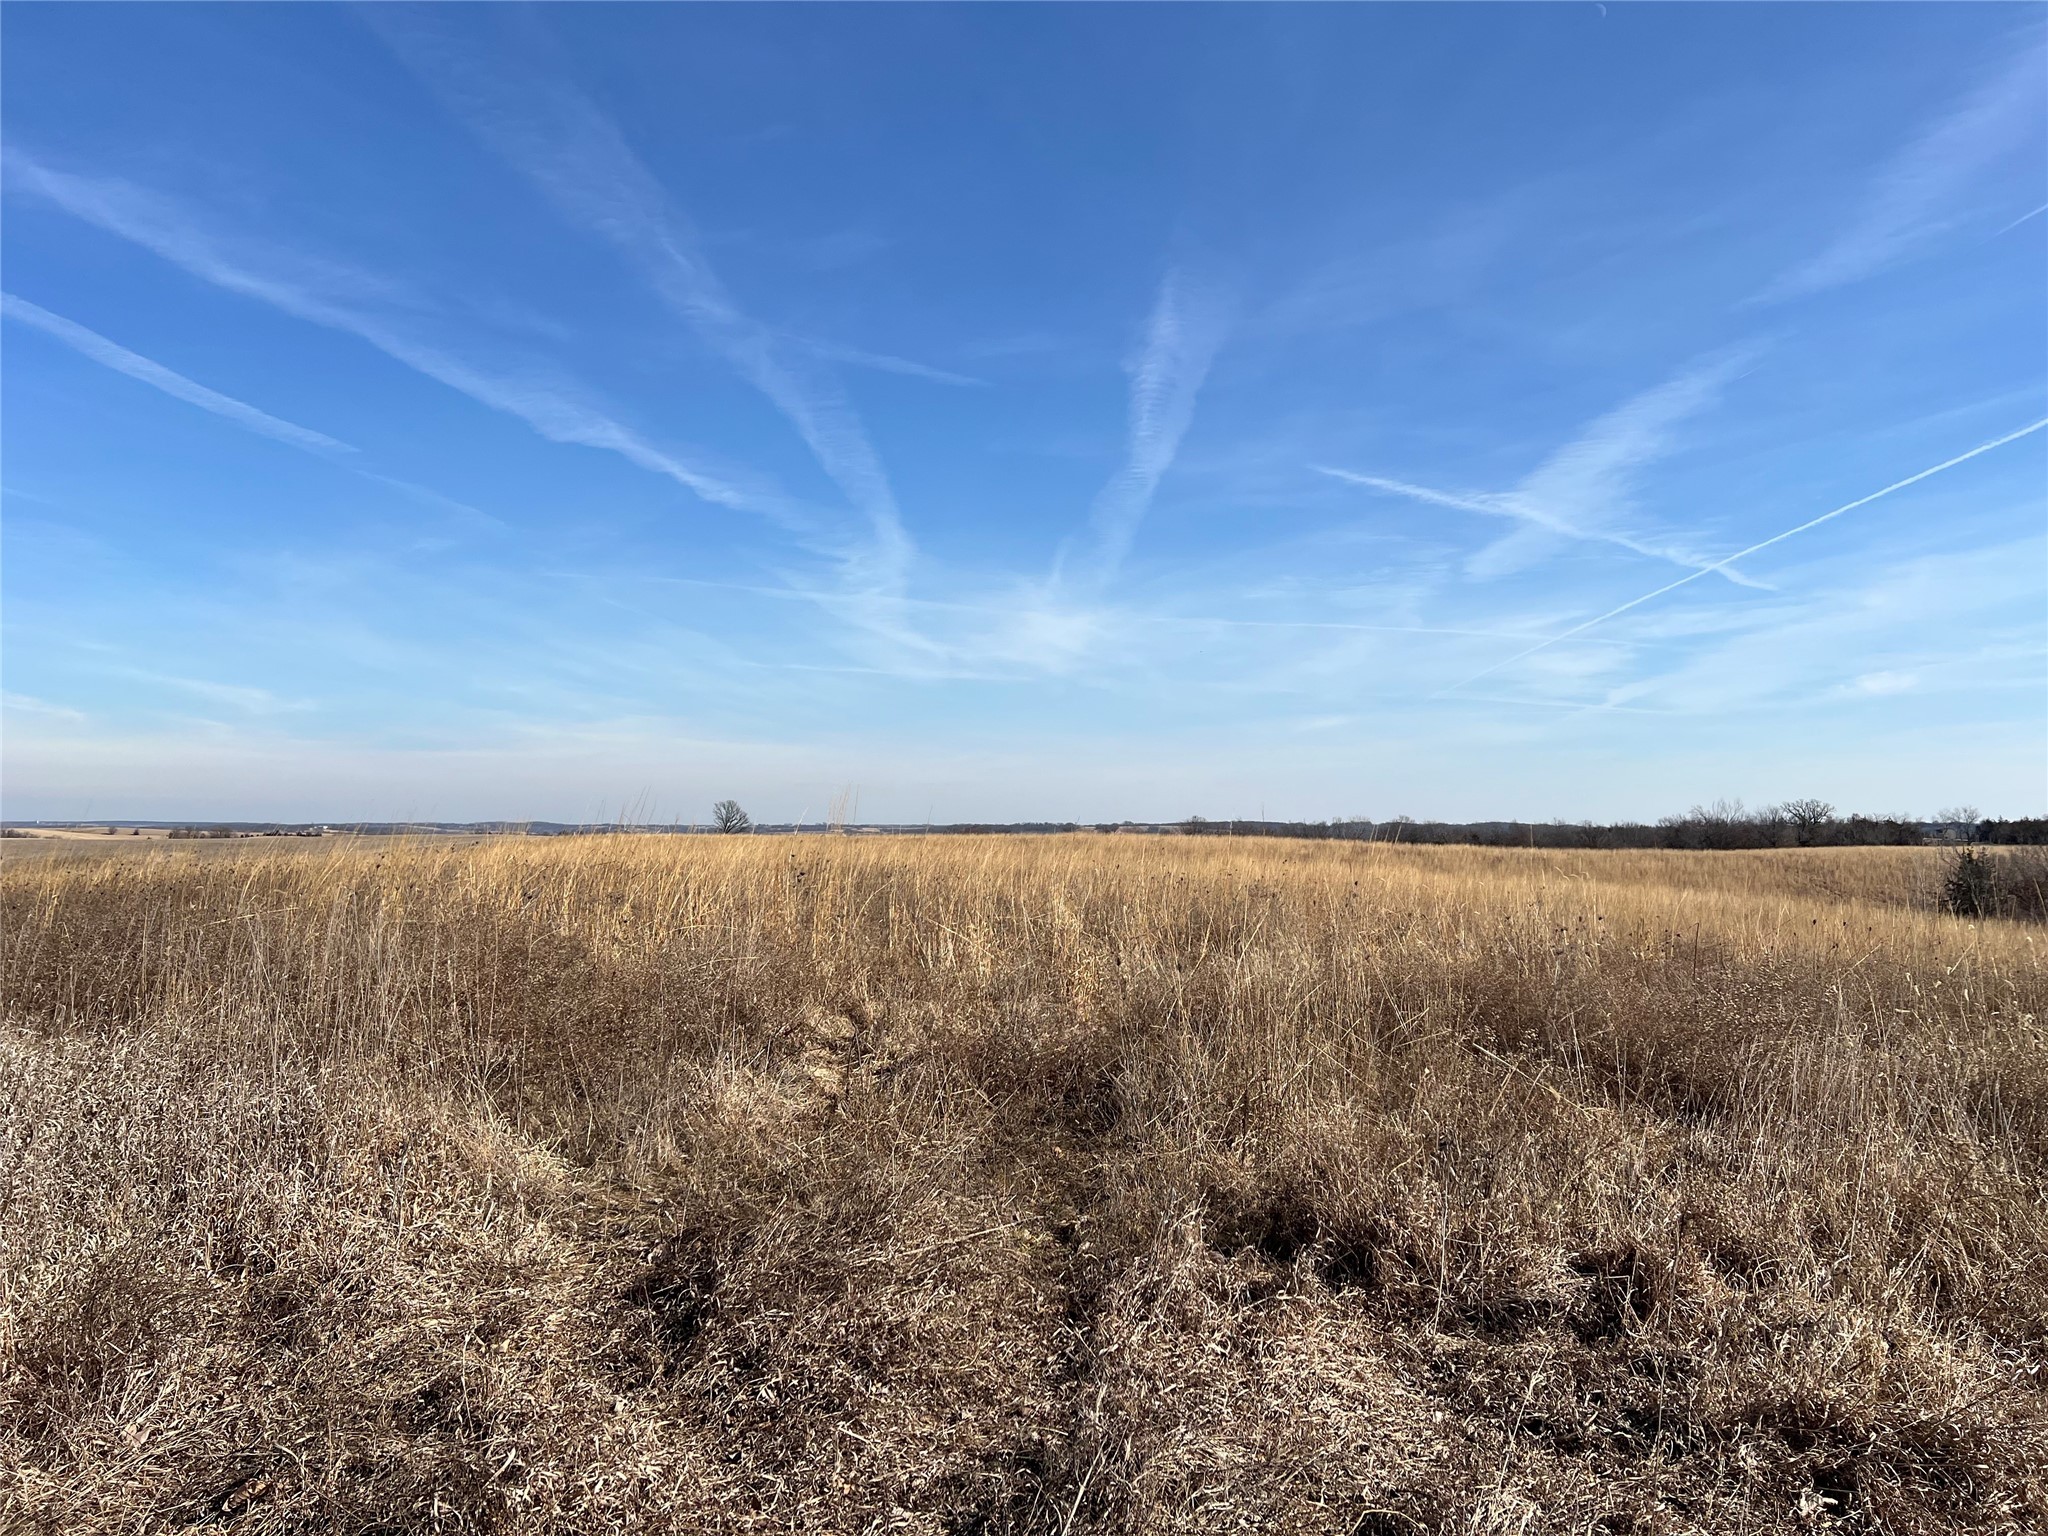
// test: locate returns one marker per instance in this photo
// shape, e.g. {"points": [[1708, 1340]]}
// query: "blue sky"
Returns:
{"points": [[1086, 412]]}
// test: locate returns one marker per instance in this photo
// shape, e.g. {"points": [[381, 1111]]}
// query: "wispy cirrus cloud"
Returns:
{"points": [[548, 131], [1187, 325], [250, 700], [1883, 682], [29, 704], [112, 355], [1919, 193], [1756, 548], [1945, 623], [1584, 490], [340, 298]]}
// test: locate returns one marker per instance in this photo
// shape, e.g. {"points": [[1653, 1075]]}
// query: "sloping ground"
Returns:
{"points": [[1065, 1184]]}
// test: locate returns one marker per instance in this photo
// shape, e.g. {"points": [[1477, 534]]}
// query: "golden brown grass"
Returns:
{"points": [[1017, 1185]]}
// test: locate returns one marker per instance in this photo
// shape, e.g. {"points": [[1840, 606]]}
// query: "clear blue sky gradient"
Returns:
{"points": [[1011, 412]]}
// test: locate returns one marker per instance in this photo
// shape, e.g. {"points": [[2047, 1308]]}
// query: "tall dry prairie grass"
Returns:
{"points": [[1016, 1185]]}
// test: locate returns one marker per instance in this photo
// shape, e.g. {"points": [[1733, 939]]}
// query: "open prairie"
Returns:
{"points": [[1065, 1184]]}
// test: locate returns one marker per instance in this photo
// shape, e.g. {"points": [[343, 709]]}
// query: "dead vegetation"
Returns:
{"points": [[977, 1186]]}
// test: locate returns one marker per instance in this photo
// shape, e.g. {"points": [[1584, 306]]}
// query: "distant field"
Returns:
{"points": [[88, 834], [82, 841], [1046, 1184]]}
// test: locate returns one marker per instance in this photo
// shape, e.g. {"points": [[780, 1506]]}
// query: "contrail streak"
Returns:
{"points": [[2032, 213], [1776, 538], [112, 355]]}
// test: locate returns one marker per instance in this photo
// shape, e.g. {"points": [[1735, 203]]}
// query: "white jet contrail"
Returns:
{"points": [[1706, 570]]}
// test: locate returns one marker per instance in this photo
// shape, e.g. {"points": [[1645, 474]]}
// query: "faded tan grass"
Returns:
{"points": [[977, 1185]]}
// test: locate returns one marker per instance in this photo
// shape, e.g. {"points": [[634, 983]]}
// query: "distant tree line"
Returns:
{"points": [[2029, 830], [1722, 825], [1014, 826], [1794, 824], [211, 832]]}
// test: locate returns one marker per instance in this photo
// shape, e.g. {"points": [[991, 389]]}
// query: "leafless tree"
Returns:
{"points": [[1807, 818], [728, 816]]}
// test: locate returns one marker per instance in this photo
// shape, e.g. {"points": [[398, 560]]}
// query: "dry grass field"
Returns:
{"points": [[1067, 1184]]}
